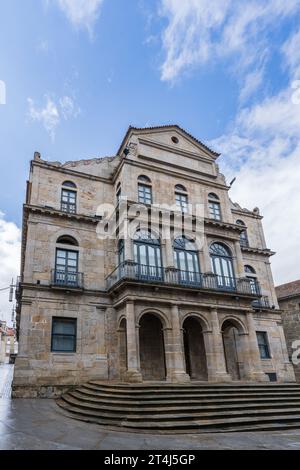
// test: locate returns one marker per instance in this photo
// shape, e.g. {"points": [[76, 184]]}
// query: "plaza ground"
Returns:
{"points": [[38, 424]]}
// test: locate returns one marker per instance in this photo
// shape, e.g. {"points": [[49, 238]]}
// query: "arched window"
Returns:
{"points": [[249, 269], [181, 197], [243, 235], [222, 265], [66, 263], [68, 197], [67, 240], [147, 255], [69, 184], [251, 275], [144, 189], [214, 206], [186, 260]]}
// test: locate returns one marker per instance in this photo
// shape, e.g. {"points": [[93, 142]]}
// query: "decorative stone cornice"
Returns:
{"points": [[259, 251], [57, 213]]}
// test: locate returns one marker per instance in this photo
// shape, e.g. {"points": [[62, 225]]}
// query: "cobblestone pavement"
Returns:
{"points": [[40, 424], [6, 376]]}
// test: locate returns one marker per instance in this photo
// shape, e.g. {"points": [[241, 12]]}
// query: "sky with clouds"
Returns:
{"points": [[77, 73]]}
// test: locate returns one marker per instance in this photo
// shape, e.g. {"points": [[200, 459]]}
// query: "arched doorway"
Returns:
{"points": [[231, 344], [194, 349], [152, 351], [123, 348]]}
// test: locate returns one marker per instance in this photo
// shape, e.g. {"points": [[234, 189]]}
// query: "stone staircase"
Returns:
{"points": [[185, 408]]}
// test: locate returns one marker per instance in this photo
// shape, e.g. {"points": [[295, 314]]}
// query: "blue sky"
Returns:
{"points": [[78, 72]]}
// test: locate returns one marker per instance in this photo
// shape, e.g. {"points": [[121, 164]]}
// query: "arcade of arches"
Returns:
{"points": [[153, 349]]}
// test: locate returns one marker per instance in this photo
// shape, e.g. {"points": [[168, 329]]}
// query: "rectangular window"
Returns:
{"points": [[181, 201], [68, 201], [263, 345], [63, 337], [145, 194], [214, 210]]}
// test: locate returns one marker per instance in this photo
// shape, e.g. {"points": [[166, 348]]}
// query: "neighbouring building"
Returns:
{"points": [[8, 344], [199, 304], [288, 296]]}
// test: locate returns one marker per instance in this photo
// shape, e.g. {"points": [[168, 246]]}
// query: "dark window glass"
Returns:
{"points": [[187, 261], [147, 255], [68, 201], [118, 195], [145, 194], [66, 267], [63, 337], [243, 235], [121, 251], [222, 265], [182, 201], [263, 344], [214, 210]]}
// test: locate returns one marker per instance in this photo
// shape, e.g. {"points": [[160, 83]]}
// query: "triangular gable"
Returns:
{"points": [[164, 135]]}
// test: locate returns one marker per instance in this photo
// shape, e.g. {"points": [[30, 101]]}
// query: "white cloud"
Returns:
{"points": [[10, 248], [251, 83], [51, 114], [81, 13], [291, 50], [199, 31], [68, 107], [263, 151]]}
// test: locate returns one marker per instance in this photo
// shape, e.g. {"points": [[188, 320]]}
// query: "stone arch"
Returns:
{"points": [[193, 327], [66, 232], [201, 318], [152, 346], [158, 313], [237, 322]]}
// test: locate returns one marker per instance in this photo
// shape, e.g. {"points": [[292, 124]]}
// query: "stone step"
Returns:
{"points": [[185, 394], [178, 415], [163, 388], [194, 388], [280, 426], [184, 408], [139, 407], [213, 425]]}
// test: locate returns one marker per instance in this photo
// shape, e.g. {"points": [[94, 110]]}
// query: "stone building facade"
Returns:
{"points": [[187, 299], [288, 296]]}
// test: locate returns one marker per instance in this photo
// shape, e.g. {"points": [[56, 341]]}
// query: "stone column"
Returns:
{"points": [[239, 260], [176, 366], [128, 249], [206, 268], [253, 368], [169, 253], [133, 362], [216, 365]]}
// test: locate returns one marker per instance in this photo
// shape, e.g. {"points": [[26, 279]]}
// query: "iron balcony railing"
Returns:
{"points": [[145, 273], [261, 303], [70, 279]]}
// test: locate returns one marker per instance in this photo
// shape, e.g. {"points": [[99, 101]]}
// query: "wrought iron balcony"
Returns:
{"points": [[262, 303], [132, 271], [69, 279]]}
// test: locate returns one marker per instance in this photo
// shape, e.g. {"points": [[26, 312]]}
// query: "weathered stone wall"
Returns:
{"points": [[291, 324]]}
